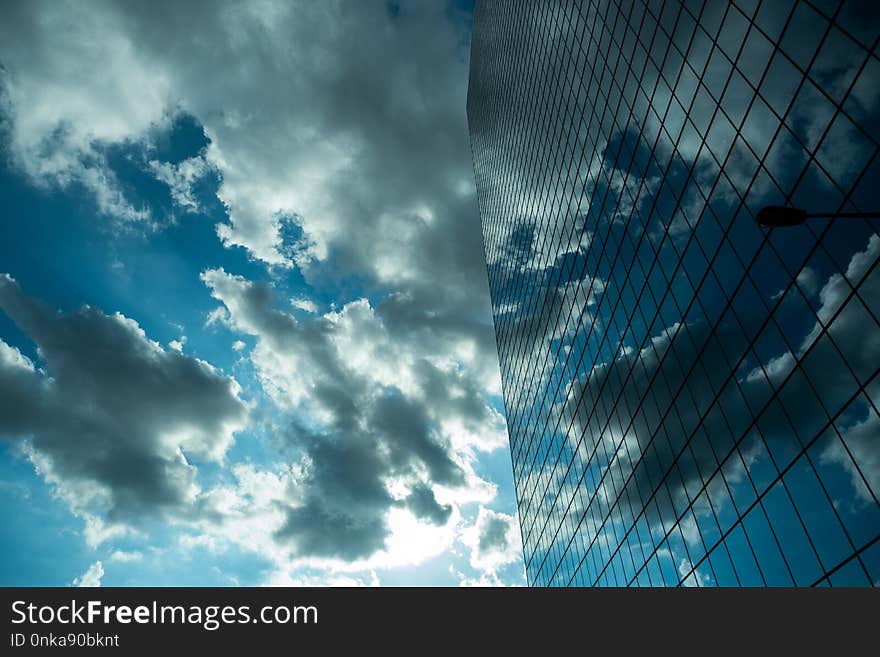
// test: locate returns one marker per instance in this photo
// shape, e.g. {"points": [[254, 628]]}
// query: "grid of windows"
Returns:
{"points": [[691, 399]]}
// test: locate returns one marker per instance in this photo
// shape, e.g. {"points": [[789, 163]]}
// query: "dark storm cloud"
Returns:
{"points": [[112, 417]]}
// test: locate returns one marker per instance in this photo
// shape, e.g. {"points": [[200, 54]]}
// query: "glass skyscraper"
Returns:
{"points": [[692, 398]]}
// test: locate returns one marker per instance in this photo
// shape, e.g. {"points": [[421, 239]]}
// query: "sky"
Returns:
{"points": [[245, 331]]}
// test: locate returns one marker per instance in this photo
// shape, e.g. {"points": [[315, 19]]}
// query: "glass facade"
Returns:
{"points": [[692, 399]]}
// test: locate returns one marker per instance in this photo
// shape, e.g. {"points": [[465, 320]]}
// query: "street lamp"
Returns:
{"points": [[780, 215]]}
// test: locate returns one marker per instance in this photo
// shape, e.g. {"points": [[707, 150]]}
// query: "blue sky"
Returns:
{"points": [[245, 329], [246, 335]]}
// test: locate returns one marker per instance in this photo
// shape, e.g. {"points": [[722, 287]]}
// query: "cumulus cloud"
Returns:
{"points": [[251, 513], [65, 104], [109, 417], [494, 542], [92, 577], [302, 303], [123, 556], [281, 578], [335, 155], [177, 345], [379, 422], [180, 178], [307, 144]]}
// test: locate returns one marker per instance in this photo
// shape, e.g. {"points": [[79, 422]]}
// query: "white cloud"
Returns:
{"points": [[406, 384], [287, 140], [283, 578], [92, 577], [251, 515], [123, 556], [387, 428], [181, 178], [68, 101], [494, 541], [304, 304]]}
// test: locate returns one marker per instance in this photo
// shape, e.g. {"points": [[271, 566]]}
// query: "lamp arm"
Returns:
{"points": [[842, 215]]}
